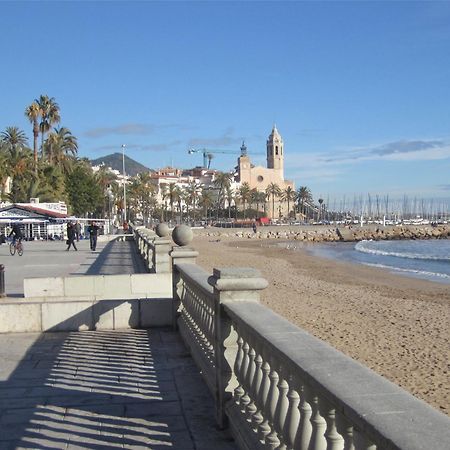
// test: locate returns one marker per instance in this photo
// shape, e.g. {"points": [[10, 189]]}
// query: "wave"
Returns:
{"points": [[417, 272], [361, 248]]}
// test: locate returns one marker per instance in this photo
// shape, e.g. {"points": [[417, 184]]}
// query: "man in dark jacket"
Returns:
{"points": [[71, 235], [93, 233], [16, 233]]}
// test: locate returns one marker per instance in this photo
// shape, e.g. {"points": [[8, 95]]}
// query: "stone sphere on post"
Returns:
{"points": [[162, 230], [182, 235]]}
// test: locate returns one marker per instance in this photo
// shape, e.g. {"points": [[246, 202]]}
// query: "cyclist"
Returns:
{"points": [[16, 233]]}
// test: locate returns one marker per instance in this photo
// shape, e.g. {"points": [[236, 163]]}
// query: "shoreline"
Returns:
{"points": [[397, 326]]}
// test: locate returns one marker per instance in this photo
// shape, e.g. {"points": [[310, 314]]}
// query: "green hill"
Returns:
{"points": [[114, 161]]}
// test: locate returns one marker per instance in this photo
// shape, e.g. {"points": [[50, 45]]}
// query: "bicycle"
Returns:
{"points": [[17, 246]]}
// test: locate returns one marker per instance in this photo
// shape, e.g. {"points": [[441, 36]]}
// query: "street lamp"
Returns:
{"points": [[124, 188]]}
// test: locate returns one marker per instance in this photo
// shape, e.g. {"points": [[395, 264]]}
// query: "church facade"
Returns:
{"points": [[259, 177]]}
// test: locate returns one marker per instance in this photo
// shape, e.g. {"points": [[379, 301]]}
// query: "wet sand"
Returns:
{"points": [[397, 326]]}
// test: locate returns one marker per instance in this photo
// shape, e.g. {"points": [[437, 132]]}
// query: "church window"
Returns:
{"points": [[260, 178], [276, 150]]}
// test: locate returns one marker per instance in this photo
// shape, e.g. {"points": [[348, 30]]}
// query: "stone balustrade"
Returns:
{"points": [[279, 387], [154, 249]]}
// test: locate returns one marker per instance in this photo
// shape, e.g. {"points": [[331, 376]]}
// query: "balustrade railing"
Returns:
{"points": [[278, 387]]}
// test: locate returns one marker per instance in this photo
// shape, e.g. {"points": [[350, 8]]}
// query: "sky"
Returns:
{"points": [[359, 91]]}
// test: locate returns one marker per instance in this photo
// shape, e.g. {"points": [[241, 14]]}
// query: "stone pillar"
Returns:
{"points": [[230, 285], [182, 236], [161, 257]]}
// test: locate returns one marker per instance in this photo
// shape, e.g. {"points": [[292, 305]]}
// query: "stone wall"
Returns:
{"points": [[331, 234]]}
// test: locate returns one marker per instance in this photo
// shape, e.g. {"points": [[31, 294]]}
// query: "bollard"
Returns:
{"points": [[2, 281]]}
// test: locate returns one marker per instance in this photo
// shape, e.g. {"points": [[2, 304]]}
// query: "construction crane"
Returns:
{"points": [[208, 153]]}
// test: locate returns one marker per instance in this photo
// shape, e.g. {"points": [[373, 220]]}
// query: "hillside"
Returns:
{"points": [[114, 161]]}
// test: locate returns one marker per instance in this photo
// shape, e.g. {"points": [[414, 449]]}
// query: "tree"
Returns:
{"points": [[288, 195], [222, 181], [49, 114], [32, 112], [273, 190], [60, 148], [229, 195], [13, 138], [17, 155], [192, 194], [304, 199], [206, 201], [244, 195], [178, 198], [141, 196], [84, 193]]}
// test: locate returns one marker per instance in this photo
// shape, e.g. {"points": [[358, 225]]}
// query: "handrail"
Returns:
{"points": [[300, 392], [279, 387]]}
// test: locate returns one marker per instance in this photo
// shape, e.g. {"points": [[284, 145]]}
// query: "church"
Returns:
{"points": [[260, 177]]}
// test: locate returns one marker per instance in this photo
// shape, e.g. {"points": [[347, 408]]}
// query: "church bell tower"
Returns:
{"points": [[275, 152]]}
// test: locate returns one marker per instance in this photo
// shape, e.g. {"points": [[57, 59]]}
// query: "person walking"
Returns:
{"points": [[78, 230], [71, 235], [93, 233]]}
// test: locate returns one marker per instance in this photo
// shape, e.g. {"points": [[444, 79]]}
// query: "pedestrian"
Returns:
{"points": [[254, 227], [93, 233], [78, 230], [71, 234]]}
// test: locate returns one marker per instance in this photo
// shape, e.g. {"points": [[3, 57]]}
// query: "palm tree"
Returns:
{"points": [[222, 181], [229, 195], [49, 114], [33, 112], [273, 190], [244, 194], [14, 146], [206, 201], [61, 146], [304, 198], [192, 192], [178, 198], [171, 194], [13, 138], [288, 195]]}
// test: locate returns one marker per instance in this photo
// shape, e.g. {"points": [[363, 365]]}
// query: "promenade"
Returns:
{"points": [[133, 389]]}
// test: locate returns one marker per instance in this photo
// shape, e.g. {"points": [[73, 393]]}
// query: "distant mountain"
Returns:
{"points": [[114, 161]]}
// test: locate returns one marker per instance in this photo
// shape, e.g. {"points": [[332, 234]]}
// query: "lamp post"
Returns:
{"points": [[124, 188]]}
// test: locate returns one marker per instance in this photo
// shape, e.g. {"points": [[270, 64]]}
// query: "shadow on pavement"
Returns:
{"points": [[106, 389]]}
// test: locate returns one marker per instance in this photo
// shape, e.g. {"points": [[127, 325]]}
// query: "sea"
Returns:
{"points": [[425, 259]]}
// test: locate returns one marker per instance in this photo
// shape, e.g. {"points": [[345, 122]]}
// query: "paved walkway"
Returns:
{"points": [[50, 259], [135, 389]]}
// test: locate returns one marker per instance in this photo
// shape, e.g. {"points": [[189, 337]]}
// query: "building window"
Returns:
{"points": [[260, 178], [276, 150]]}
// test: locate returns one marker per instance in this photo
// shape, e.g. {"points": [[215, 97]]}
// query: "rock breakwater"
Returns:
{"points": [[328, 234]]}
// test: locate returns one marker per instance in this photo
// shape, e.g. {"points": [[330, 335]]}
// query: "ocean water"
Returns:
{"points": [[426, 259]]}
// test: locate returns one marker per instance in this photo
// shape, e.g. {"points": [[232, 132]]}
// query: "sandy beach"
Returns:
{"points": [[397, 326]]}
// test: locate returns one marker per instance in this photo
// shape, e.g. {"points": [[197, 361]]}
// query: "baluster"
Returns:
{"points": [[361, 441], [245, 399], [264, 428], [333, 438], [239, 391], [257, 417], [319, 425], [282, 408], [250, 408], [345, 429], [292, 422], [305, 428], [272, 440]]}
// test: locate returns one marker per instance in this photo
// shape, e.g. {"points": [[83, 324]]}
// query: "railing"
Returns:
{"points": [[278, 387], [154, 250]]}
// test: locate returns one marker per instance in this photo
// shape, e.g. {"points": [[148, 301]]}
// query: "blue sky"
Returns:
{"points": [[360, 91]]}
